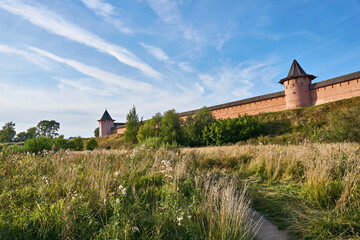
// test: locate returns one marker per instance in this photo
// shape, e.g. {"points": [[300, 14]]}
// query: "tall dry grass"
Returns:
{"points": [[328, 177], [136, 194]]}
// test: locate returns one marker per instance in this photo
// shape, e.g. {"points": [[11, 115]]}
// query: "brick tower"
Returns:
{"points": [[105, 124], [296, 84]]}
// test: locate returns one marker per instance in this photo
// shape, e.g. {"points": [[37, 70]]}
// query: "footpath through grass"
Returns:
{"points": [[311, 189]]}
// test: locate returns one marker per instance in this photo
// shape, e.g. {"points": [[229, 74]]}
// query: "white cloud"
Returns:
{"points": [[83, 85], [105, 77], [228, 81], [168, 12], [100, 7], [222, 39], [185, 66], [41, 62], [56, 24], [108, 12], [156, 52]]}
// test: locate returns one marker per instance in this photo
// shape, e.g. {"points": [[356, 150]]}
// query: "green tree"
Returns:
{"points": [[31, 133], [170, 130], [193, 127], [96, 132], [132, 126], [48, 128], [150, 128], [91, 144], [21, 137], [8, 132]]}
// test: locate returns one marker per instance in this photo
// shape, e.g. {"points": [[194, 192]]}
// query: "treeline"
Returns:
{"points": [[39, 144], [45, 128], [44, 136], [202, 129]]}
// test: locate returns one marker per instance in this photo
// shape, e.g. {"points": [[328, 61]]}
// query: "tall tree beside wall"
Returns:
{"points": [[132, 126], [194, 126], [150, 128], [170, 130], [96, 132]]}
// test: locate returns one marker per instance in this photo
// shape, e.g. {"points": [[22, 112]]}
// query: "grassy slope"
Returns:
{"points": [[290, 126], [295, 126], [115, 141], [312, 189]]}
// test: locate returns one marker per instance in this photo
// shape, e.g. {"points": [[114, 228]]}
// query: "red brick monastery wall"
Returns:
{"points": [[298, 92], [334, 92], [267, 105]]}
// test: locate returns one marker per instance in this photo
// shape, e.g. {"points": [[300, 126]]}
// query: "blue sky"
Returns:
{"points": [[68, 60]]}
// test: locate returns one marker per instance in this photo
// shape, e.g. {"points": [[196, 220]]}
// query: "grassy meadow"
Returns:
{"points": [[300, 171], [130, 194], [191, 193]]}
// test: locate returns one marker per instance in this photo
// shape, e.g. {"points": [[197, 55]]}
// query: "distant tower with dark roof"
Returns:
{"points": [[296, 84], [105, 124]]}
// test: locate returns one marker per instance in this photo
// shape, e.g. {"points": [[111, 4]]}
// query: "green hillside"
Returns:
{"points": [[310, 124]]}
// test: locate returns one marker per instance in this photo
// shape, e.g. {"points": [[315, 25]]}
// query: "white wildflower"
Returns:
{"points": [[122, 190], [46, 180]]}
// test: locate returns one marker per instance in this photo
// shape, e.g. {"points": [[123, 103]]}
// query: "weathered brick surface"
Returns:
{"points": [[105, 128], [268, 105], [118, 131], [335, 92], [297, 92]]}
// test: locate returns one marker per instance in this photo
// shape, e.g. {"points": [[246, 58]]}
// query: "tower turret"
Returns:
{"points": [[296, 86], [105, 124]]}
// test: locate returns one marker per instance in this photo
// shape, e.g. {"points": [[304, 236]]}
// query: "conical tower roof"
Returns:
{"points": [[296, 71], [106, 116]]}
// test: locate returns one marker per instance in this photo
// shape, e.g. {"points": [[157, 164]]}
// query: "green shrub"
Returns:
{"points": [[91, 144], [228, 130], [61, 143], [39, 144], [76, 144], [152, 142]]}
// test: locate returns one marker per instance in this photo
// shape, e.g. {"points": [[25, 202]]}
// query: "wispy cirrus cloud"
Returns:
{"points": [[56, 24], [169, 12], [239, 79], [105, 77], [108, 12], [83, 85], [34, 58], [156, 52]]}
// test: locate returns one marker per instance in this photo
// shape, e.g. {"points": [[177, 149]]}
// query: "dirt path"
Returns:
{"points": [[267, 230]]}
